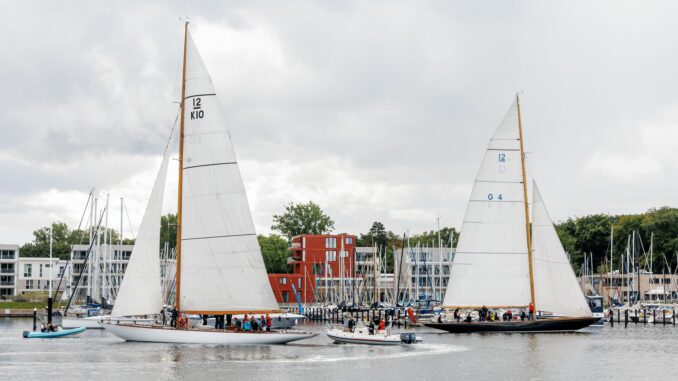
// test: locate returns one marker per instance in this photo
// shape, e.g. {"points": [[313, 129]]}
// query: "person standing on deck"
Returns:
{"points": [[269, 323], [173, 319], [531, 312]]}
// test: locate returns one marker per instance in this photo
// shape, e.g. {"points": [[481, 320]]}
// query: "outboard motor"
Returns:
{"points": [[408, 338]]}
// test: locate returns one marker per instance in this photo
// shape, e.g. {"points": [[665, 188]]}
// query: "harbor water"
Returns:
{"points": [[635, 352]]}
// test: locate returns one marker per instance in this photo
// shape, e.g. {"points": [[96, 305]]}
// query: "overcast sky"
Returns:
{"points": [[374, 110]]}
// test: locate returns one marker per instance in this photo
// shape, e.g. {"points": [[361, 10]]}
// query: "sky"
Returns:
{"points": [[377, 111]]}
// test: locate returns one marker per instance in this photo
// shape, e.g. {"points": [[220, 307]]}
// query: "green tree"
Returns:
{"points": [[274, 251], [62, 240], [168, 230], [302, 219]]}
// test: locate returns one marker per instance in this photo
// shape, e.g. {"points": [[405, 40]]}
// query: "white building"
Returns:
{"points": [[34, 273], [9, 270], [428, 270]]}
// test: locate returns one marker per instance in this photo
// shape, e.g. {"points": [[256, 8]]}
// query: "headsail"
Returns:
{"points": [[556, 287], [491, 265], [222, 269], [140, 291]]}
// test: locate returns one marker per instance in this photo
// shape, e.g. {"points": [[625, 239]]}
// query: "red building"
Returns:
{"points": [[319, 263]]}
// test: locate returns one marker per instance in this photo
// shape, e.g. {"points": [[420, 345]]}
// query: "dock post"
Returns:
{"points": [[626, 318], [654, 317], [637, 318], [663, 317], [611, 318], [35, 319], [618, 316], [645, 316]]}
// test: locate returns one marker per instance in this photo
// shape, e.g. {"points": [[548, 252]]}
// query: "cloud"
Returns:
{"points": [[378, 111]]}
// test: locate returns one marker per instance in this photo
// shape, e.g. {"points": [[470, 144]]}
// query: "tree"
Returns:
{"points": [[62, 240], [168, 230], [274, 251], [302, 219]]}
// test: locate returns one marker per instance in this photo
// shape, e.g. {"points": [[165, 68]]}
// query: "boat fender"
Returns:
{"points": [[181, 322], [26, 334]]}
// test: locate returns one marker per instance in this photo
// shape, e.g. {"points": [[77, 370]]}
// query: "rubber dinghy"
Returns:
{"points": [[49, 335], [362, 336]]}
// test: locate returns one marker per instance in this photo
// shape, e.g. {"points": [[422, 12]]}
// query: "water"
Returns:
{"points": [[637, 352]]}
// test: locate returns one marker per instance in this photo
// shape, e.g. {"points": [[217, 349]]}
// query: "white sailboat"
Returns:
{"points": [[503, 259], [220, 269]]}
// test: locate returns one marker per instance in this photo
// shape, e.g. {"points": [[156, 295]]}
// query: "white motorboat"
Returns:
{"points": [[362, 335]]}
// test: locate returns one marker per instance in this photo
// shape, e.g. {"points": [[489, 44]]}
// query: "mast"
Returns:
{"points": [[177, 298], [527, 212]]}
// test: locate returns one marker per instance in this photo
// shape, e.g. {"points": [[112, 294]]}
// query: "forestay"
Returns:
{"points": [[555, 285], [221, 268], [140, 292], [490, 266]]}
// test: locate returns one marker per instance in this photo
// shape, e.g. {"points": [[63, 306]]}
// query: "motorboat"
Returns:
{"points": [[361, 335]]}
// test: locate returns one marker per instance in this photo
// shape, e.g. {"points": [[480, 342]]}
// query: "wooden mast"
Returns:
{"points": [[177, 301], [527, 212]]}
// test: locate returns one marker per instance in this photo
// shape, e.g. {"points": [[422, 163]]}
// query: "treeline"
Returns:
{"points": [[591, 235], [62, 239], [579, 235]]}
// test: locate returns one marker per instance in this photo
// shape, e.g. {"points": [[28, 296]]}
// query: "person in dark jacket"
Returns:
{"points": [[174, 316]]}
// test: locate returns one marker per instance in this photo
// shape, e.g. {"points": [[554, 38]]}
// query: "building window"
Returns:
{"points": [[299, 283], [349, 240], [331, 255], [7, 268], [282, 280], [7, 254], [331, 242], [28, 270], [29, 284], [40, 276], [285, 296]]}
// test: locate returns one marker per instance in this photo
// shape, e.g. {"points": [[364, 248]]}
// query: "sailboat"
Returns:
{"points": [[220, 269], [506, 261]]}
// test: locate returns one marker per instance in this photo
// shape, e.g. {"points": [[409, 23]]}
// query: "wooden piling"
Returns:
{"points": [[626, 318]]}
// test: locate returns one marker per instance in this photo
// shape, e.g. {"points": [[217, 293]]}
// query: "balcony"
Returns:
{"points": [[7, 283], [6, 271]]}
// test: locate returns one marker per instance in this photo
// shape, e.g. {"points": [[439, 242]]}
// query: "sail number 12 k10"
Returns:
{"points": [[197, 112]]}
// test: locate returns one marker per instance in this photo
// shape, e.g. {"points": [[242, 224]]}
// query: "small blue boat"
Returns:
{"points": [[48, 335]]}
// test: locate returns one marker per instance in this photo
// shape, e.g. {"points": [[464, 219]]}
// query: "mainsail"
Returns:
{"points": [[140, 292], [491, 265], [221, 268], [555, 285]]}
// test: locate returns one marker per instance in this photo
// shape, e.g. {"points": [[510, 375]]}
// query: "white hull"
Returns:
{"points": [[92, 322], [362, 337], [159, 334]]}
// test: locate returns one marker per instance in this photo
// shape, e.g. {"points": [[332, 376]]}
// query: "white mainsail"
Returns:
{"points": [[140, 292], [555, 285], [491, 264], [221, 267]]}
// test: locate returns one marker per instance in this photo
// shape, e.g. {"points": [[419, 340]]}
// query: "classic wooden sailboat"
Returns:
{"points": [[503, 259], [220, 269]]}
